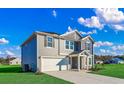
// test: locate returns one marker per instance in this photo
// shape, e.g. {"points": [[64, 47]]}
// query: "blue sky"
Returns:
{"points": [[106, 26]]}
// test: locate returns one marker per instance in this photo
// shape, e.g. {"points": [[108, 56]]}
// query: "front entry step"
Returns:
{"points": [[74, 69]]}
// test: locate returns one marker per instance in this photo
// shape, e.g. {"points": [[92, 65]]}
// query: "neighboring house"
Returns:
{"points": [[99, 62], [46, 51], [115, 60], [15, 61]]}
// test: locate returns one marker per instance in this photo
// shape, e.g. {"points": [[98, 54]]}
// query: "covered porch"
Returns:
{"points": [[82, 60]]}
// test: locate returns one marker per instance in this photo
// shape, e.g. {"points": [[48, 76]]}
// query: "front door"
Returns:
{"points": [[74, 63]]}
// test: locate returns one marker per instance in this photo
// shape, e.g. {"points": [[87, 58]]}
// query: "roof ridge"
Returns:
{"points": [[69, 32]]}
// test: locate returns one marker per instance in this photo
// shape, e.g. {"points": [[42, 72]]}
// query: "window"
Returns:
{"points": [[87, 45], [69, 44], [49, 41]]}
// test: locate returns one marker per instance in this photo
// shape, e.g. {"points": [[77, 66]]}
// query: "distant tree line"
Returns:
{"points": [[122, 57], [106, 57], [6, 60]]}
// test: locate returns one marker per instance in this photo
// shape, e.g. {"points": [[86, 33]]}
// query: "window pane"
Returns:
{"points": [[87, 45], [49, 39], [49, 44], [71, 43], [71, 47], [67, 42], [67, 46]]}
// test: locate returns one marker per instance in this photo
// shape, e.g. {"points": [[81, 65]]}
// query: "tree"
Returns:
{"points": [[103, 58]]}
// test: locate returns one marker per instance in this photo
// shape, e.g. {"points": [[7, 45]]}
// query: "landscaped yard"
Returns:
{"points": [[14, 75], [113, 70]]}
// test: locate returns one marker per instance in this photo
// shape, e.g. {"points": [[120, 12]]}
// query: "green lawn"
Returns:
{"points": [[113, 70], [14, 75]]}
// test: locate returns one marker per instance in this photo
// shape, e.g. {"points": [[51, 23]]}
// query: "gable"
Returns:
{"points": [[85, 52], [88, 38], [73, 35]]}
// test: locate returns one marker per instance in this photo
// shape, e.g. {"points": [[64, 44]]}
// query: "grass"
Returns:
{"points": [[113, 70], [14, 75]]}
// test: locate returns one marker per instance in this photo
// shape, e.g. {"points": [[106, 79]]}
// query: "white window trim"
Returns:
{"points": [[89, 44], [69, 45], [47, 42], [65, 44]]}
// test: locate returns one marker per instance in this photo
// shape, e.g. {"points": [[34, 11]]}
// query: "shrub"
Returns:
{"points": [[38, 73], [97, 67]]}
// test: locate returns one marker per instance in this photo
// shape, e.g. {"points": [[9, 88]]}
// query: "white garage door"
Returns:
{"points": [[54, 64]]}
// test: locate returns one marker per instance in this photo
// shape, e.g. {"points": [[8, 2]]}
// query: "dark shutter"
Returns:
{"points": [[53, 42], [45, 41]]}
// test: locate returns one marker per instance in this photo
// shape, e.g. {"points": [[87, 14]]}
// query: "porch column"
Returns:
{"points": [[70, 63], [87, 63], [78, 63]]}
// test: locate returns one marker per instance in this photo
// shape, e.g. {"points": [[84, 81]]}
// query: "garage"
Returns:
{"points": [[54, 64]]}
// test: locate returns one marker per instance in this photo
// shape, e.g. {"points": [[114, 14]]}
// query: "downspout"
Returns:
{"points": [[59, 46], [37, 54], [92, 56]]}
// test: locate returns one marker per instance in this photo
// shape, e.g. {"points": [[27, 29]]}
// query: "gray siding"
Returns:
{"points": [[63, 50], [46, 51], [72, 36], [59, 46], [29, 54], [57, 50], [83, 45]]}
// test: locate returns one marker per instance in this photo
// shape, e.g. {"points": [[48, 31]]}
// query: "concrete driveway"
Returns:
{"points": [[82, 77]]}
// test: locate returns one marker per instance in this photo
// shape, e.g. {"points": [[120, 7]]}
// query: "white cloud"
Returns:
{"points": [[12, 48], [89, 32], [108, 52], [3, 41], [54, 13], [105, 51], [69, 29], [9, 53], [82, 32], [81, 20], [118, 47], [102, 50], [92, 22], [18, 47], [105, 31], [105, 43], [115, 53], [110, 15], [118, 27], [1, 53], [112, 49]]}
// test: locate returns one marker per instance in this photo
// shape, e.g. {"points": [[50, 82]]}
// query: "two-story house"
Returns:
{"points": [[45, 51]]}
